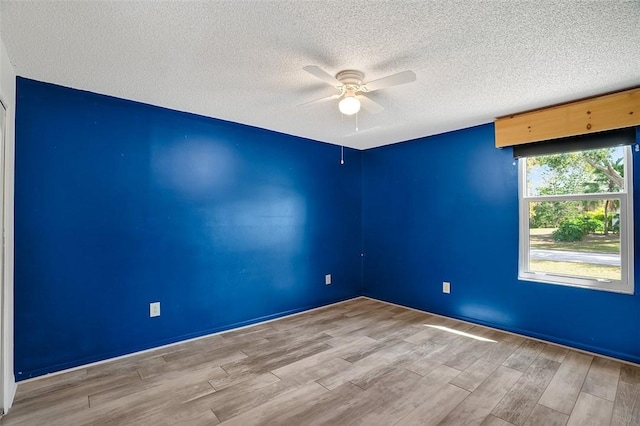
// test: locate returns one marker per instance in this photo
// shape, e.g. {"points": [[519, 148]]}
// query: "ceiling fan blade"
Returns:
{"points": [[322, 75], [371, 106], [319, 101], [391, 80]]}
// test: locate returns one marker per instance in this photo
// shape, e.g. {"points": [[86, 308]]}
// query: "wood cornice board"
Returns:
{"points": [[608, 112]]}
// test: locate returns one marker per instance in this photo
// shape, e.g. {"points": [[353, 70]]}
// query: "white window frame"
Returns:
{"points": [[626, 283]]}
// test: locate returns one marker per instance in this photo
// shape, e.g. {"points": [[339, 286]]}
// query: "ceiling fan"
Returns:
{"points": [[352, 89]]}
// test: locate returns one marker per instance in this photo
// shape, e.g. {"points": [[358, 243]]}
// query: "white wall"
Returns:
{"points": [[8, 96]]}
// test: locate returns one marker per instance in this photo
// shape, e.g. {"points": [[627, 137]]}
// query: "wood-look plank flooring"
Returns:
{"points": [[359, 362]]}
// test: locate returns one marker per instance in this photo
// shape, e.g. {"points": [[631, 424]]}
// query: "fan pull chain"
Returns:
{"points": [[341, 138], [356, 121]]}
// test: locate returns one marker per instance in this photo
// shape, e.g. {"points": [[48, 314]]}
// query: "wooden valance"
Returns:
{"points": [[607, 112]]}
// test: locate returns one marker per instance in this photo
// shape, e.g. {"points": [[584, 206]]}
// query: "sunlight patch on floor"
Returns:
{"points": [[461, 333]]}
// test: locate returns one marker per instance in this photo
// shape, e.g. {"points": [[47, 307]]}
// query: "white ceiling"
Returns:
{"points": [[242, 60]]}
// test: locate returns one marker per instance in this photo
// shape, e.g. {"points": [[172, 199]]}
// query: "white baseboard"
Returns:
{"points": [[80, 367], [92, 364], [508, 332]]}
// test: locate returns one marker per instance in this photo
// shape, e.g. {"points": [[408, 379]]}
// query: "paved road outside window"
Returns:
{"points": [[576, 256]]}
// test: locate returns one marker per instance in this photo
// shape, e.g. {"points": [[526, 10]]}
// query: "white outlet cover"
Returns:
{"points": [[446, 287], [327, 279], [154, 309]]}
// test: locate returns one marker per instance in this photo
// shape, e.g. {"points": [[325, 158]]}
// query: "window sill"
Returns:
{"points": [[613, 286]]}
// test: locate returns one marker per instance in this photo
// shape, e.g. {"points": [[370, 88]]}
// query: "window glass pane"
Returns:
{"points": [[584, 172], [575, 238]]}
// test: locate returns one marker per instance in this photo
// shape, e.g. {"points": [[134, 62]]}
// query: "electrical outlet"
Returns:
{"points": [[154, 309], [446, 287], [327, 279]]}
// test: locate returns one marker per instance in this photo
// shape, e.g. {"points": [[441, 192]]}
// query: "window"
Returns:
{"points": [[576, 218]]}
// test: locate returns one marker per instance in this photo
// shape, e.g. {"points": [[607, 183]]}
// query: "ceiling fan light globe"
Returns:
{"points": [[349, 105]]}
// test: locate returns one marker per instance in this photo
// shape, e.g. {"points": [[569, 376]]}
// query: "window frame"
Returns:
{"points": [[626, 284]]}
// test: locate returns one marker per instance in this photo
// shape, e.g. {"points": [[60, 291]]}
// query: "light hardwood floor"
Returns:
{"points": [[359, 362]]}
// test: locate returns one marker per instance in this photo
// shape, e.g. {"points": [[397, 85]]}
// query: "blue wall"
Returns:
{"points": [[119, 204], [445, 208]]}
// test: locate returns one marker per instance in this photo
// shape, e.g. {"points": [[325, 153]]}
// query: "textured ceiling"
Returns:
{"points": [[242, 61]]}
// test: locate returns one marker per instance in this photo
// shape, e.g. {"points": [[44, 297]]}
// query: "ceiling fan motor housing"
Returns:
{"points": [[350, 77]]}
